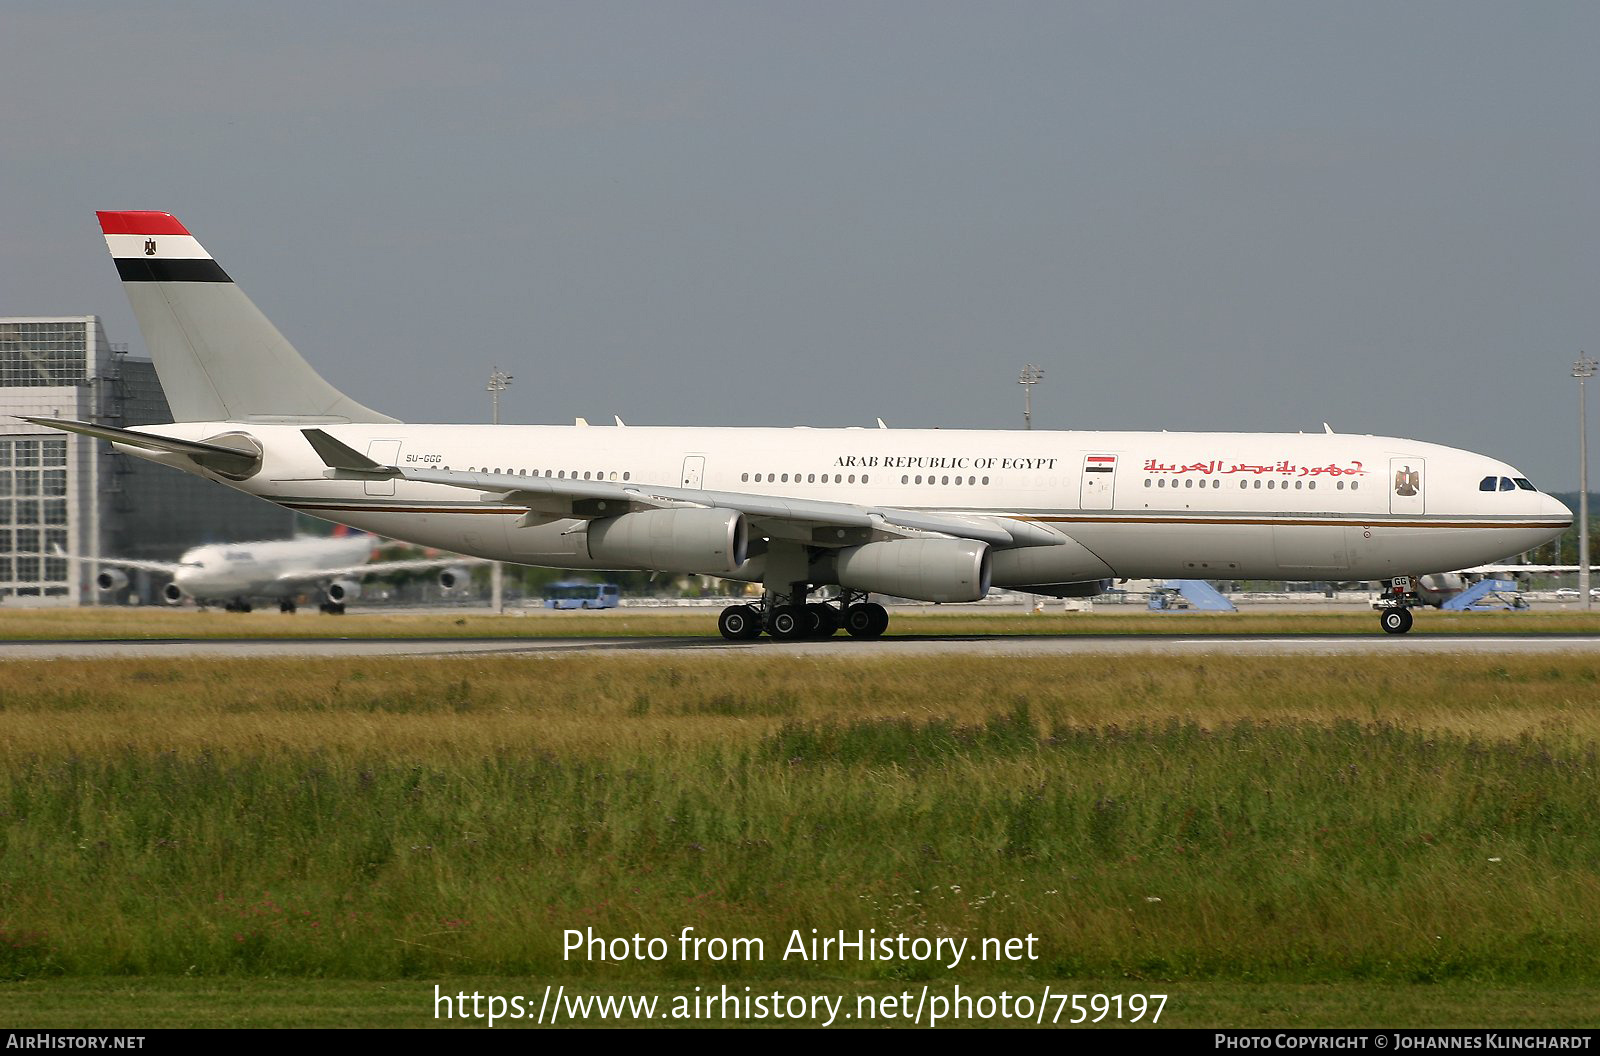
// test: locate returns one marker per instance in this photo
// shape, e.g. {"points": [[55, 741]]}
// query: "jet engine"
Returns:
{"points": [[111, 580], [343, 590], [171, 594], [711, 542], [453, 577], [923, 569]]}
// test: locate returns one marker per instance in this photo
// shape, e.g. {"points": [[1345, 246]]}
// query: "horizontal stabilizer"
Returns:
{"points": [[226, 460]]}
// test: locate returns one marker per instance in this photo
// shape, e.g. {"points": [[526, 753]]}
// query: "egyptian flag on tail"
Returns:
{"points": [[155, 247]]}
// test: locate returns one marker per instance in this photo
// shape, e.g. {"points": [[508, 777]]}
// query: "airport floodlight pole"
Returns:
{"points": [[499, 382], [1031, 376], [1583, 370]]}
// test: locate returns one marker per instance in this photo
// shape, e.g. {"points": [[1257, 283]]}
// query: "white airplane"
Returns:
{"points": [[933, 515], [232, 574]]}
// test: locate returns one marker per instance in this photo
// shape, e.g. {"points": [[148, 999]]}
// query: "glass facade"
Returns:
{"points": [[44, 352], [33, 516]]}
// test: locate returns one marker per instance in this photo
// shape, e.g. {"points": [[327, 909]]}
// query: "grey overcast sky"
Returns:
{"points": [[1193, 215]]}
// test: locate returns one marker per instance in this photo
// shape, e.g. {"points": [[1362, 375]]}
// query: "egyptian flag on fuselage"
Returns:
{"points": [[155, 247]]}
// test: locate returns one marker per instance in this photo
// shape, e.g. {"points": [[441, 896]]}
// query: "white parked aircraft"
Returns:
{"points": [[934, 515], [233, 574]]}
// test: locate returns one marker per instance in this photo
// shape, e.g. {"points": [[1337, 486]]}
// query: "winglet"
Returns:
{"points": [[344, 460]]}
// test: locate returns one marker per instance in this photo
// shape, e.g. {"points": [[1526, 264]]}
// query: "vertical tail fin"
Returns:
{"points": [[218, 357]]}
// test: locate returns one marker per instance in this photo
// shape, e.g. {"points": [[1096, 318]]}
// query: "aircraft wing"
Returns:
{"points": [[817, 522], [313, 575], [169, 567]]}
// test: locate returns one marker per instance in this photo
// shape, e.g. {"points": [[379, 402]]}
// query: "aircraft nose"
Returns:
{"points": [[1552, 507]]}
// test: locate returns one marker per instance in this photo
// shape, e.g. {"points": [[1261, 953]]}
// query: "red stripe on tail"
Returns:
{"points": [[140, 223]]}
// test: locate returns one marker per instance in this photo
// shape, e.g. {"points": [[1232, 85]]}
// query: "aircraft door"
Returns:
{"points": [[694, 470], [1406, 483], [1099, 482], [385, 453]]}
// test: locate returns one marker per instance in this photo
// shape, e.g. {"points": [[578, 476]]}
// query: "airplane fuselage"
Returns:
{"points": [[1201, 505], [262, 569]]}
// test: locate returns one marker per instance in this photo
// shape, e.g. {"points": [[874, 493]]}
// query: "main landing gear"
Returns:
{"points": [[789, 621], [1394, 611]]}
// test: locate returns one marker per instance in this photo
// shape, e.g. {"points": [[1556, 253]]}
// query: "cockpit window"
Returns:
{"points": [[1506, 485], [1525, 484], [1488, 484]]}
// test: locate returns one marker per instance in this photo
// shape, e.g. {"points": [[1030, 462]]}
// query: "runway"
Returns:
{"points": [[888, 647]]}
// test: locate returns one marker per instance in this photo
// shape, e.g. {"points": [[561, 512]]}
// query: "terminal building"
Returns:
{"points": [[62, 492]]}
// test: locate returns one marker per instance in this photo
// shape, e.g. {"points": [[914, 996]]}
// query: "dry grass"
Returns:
{"points": [[152, 622], [594, 706]]}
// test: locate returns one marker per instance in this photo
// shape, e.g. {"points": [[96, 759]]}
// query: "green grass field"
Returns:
{"points": [[1292, 841]]}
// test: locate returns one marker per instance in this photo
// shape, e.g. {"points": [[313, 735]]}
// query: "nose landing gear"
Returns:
{"points": [[1394, 610], [1396, 620]]}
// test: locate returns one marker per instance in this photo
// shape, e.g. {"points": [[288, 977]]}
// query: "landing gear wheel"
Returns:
{"points": [[824, 619], [1396, 621], [739, 623], [868, 620], [789, 623], [286, 606]]}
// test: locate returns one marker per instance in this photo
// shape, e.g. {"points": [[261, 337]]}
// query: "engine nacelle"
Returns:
{"points": [[453, 577], [111, 580], [709, 542], [171, 594], [343, 590], [922, 569]]}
